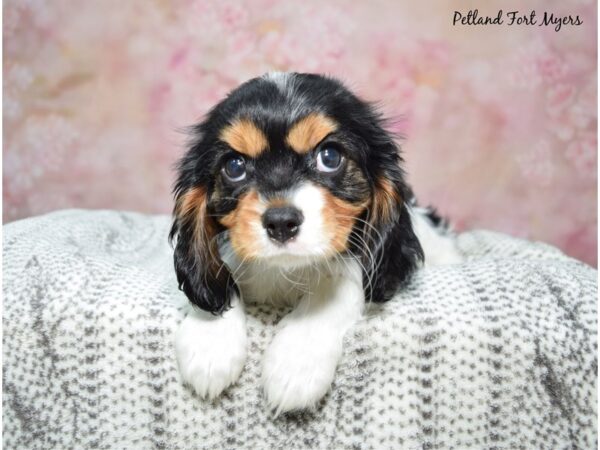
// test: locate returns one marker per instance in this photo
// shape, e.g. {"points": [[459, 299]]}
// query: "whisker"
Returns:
{"points": [[358, 219], [372, 267], [375, 263], [298, 285], [368, 274]]}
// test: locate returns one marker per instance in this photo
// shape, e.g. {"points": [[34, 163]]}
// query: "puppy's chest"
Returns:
{"points": [[260, 283]]}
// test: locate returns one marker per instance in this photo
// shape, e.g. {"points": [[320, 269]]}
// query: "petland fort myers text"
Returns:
{"points": [[511, 18]]}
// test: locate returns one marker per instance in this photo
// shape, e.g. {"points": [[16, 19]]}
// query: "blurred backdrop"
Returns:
{"points": [[500, 121]]}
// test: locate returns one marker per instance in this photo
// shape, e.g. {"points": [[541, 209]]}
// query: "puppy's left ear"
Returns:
{"points": [[394, 247]]}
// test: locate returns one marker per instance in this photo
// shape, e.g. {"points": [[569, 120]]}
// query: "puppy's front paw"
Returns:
{"points": [[211, 351], [299, 367]]}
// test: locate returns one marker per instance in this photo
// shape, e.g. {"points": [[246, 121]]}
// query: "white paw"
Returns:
{"points": [[299, 368], [211, 350]]}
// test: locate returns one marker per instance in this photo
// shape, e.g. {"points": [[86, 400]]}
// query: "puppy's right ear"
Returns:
{"points": [[201, 273]]}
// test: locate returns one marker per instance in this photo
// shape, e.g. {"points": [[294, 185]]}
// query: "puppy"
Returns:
{"points": [[292, 190]]}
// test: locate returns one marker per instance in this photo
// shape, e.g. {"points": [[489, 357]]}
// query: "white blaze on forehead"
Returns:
{"points": [[286, 84], [278, 78], [308, 196]]}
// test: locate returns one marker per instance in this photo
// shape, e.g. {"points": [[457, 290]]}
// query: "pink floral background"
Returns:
{"points": [[500, 121]]}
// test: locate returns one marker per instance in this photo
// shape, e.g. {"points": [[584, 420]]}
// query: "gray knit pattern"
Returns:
{"points": [[498, 352]]}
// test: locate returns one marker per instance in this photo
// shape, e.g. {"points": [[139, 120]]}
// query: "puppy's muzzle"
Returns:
{"points": [[282, 223]]}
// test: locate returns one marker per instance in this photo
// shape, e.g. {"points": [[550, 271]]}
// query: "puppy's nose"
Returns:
{"points": [[282, 223]]}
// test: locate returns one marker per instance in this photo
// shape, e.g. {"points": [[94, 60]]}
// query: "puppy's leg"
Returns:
{"points": [[211, 350], [439, 245], [299, 365]]}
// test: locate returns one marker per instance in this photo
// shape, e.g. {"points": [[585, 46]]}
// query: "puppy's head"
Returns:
{"points": [[290, 169]]}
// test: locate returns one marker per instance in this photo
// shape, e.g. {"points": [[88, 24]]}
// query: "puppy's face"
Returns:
{"points": [[289, 168], [288, 191]]}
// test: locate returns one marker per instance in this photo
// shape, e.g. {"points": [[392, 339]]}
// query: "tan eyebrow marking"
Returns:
{"points": [[309, 131], [245, 137]]}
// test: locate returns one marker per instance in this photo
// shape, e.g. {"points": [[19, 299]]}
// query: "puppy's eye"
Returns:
{"points": [[235, 168], [329, 160]]}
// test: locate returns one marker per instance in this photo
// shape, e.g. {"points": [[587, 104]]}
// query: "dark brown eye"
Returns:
{"points": [[235, 168], [329, 160]]}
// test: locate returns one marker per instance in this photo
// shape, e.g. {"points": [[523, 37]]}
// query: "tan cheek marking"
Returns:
{"points": [[245, 137], [241, 225], [309, 131], [338, 218], [385, 200], [191, 207], [229, 219]]}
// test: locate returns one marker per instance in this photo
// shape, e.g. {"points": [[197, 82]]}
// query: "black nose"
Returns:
{"points": [[282, 223]]}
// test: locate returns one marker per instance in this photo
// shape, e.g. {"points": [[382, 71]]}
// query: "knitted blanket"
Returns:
{"points": [[498, 352]]}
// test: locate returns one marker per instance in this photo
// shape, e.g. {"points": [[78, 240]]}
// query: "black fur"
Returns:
{"points": [[439, 222], [371, 153]]}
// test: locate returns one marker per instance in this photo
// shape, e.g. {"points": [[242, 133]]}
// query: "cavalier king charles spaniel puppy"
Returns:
{"points": [[292, 190]]}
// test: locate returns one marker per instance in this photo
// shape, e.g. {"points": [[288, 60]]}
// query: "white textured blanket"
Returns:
{"points": [[499, 352]]}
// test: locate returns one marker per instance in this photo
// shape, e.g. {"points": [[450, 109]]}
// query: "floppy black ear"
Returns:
{"points": [[394, 247], [201, 273]]}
